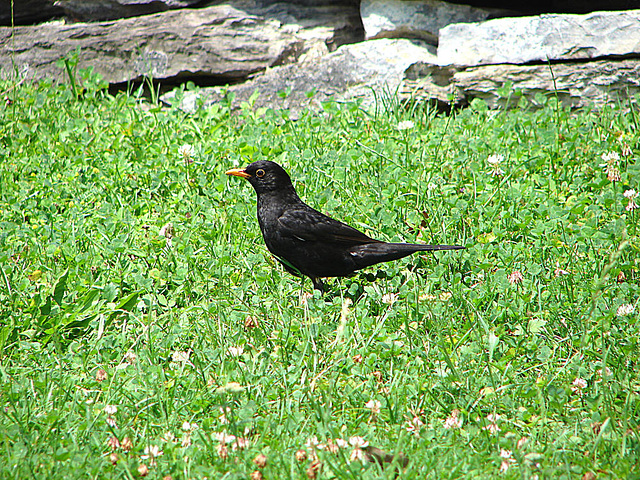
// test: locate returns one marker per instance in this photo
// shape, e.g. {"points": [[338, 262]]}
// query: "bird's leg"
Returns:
{"points": [[304, 297], [317, 284], [301, 287]]}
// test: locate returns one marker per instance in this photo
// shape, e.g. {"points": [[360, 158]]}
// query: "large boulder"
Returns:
{"points": [[370, 71], [541, 38], [330, 22], [213, 45], [575, 84], [218, 42], [421, 19]]}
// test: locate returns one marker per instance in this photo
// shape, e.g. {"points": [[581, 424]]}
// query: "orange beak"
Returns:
{"points": [[238, 172]]}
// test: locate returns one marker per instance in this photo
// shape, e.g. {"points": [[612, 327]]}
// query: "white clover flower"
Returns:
{"points": [[515, 277], [166, 231], [312, 442], [612, 160], [493, 417], [453, 421], [611, 157], [110, 409], [231, 387], [180, 356], [494, 162], [241, 443], [389, 298], [186, 151], [604, 372], [223, 418], [223, 438], [374, 406], [358, 455], [558, 272], [507, 460], [579, 384], [130, 358], [492, 427], [236, 351], [342, 443], [358, 442], [631, 195], [495, 159], [188, 427], [625, 309], [152, 451], [414, 425], [405, 125]]}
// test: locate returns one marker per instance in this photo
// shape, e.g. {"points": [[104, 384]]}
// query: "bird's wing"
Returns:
{"points": [[307, 224]]}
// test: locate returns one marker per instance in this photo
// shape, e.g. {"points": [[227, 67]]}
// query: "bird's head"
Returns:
{"points": [[264, 176]]}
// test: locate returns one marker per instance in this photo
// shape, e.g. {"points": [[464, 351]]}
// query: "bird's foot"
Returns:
{"points": [[317, 284]]}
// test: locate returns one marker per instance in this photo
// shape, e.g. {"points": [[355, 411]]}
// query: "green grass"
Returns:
{"points": [[89, 284]]}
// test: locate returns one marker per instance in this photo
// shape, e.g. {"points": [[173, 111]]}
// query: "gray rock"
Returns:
{"points": [[333, 23], [371, 71], [417, 18], [529, 39], [576, 84], [425, 81], [218, 42]]}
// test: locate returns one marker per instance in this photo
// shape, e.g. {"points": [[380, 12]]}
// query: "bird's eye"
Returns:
{"points": [[260, 173]]}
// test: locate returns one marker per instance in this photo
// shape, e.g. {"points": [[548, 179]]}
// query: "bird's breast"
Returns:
{"points": [[268, 214]]}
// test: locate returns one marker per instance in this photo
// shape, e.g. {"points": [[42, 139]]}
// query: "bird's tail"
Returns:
{"points": [[417, 247], [372, 253]]}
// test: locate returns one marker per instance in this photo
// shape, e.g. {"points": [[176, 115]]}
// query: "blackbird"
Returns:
{"points": [[308, 242]]}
